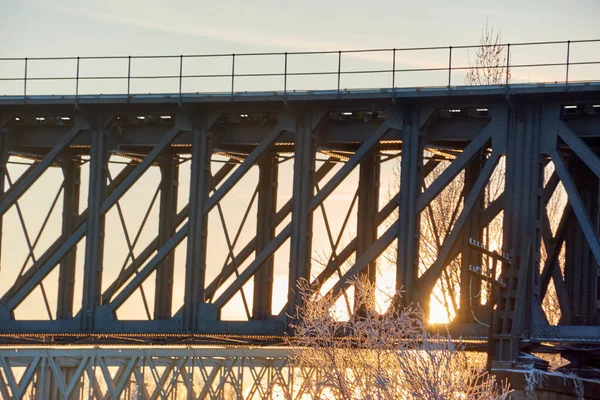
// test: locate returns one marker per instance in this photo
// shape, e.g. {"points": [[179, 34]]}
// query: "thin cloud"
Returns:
{"points": [[158, 19]]}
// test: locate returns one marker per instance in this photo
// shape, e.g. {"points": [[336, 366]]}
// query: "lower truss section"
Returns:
{"points": [[148, 373], [242, 373]]}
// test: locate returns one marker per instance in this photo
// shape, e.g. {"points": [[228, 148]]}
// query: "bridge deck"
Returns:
{"points": [[310, 95]]}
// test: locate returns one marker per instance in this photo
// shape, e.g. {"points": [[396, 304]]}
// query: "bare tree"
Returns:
{"points": [[380, 356], [489, 66]]}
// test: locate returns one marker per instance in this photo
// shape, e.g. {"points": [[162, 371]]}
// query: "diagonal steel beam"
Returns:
{"points": [[562, 296], [230, 268], [22, 177], [491, 211], [550, 187], [336, 263], [141, 168], [129, 271], [122, 377], [231, 245], [174, 370], [249, 161], [270, 249], [58, 245], [14, 194], [577, 204], [429, 166], [145, 254], [131, 244], [31, 246], [391, 205], [394, 122], [374, 251], [455, 167], [45, 268], [347, 251], [249, 248], [553, 250], [427, 281], [145, 272], [579, 147], [75, 379]]}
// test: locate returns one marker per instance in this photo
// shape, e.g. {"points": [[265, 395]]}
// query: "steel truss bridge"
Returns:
{"points": [[193, 155]]}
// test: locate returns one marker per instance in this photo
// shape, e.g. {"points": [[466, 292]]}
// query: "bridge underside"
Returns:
{"points": [[159, 220]]}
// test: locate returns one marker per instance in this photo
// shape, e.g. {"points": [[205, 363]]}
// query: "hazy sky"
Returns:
{"points": [[103, 27], [38, 28]]}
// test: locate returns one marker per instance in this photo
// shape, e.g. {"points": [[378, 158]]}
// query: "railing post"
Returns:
{"points": [[232, 73], [394, 71], [339, 69], [25, 80], [128, 75], [77, 82], [507, 63], [568, 56], [180, 74], [449, 66], [285, 75]]}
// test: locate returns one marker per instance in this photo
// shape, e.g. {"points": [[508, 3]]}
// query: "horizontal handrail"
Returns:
{"points": [[284, 72]]}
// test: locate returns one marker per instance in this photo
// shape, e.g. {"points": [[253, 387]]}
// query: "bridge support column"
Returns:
{"points": [[94, 245], [200, 185], [411, 179], [368, 207], [66, 280], [522, 232], [163, 297], [302, 217], [582, 274], [265, 232]]}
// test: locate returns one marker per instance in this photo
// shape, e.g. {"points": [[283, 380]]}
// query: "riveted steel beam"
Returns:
{"points": [[66, 279], [13, 195]]}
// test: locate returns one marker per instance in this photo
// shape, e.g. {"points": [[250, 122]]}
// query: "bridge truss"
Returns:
{"points": [[167, 373], [280, 163], [150, 373]]}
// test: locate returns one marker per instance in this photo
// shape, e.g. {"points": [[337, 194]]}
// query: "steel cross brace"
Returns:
{"points": [[15, 295]]}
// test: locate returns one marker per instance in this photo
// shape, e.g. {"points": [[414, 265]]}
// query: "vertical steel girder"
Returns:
{"points": [[163, 297], [94, 246], [66, 280], [197, 226], [368, 207], [265, 233], [302, 214], [411, 178], [515, 312], [366, 218]]}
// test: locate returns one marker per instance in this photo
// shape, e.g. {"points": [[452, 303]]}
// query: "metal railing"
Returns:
{"points": [[285, 74]]}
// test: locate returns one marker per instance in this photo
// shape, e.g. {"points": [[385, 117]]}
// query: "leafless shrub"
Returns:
{"points": [[375, 355]]}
